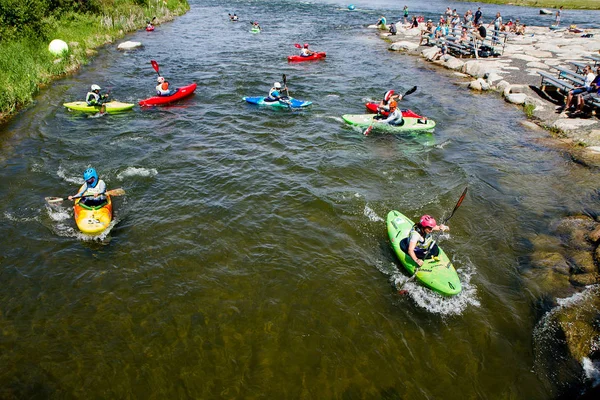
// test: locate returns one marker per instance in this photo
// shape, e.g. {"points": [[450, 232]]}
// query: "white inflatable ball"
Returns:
{"points": [[58, 47]]}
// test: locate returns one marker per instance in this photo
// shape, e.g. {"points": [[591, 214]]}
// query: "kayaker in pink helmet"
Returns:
{"points": [[420, 239], [162, 89], [305, 52]]}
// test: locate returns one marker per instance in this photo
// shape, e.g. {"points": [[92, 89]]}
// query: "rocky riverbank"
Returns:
{"points": [[514, 76], [564, 263]]}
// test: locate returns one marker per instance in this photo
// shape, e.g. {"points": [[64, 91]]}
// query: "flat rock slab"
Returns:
{"points": [[572, 124]]}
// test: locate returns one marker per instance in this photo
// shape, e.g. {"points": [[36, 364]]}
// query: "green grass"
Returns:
{"points": [[549, 4], [27, 64]]}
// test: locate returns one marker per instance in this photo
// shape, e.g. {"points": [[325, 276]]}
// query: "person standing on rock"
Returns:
{"points": [[557, 16], [405, 14], [497, 23]]}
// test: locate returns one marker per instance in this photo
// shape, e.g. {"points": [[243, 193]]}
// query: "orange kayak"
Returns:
{"points": [[93, 220]]}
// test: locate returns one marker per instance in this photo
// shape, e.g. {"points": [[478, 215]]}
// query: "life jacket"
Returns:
{"points": [[162, 89], [92, 98], [422, 244]]}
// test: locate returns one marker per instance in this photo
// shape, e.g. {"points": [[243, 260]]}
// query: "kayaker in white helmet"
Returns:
{"points": [[275, 94], [94, 98], [419, 239], [162, 89]]}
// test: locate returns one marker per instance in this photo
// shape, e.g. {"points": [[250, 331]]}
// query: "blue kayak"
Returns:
{"points": [[285, 102]]}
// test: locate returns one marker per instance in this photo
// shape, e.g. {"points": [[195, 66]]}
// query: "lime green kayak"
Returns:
{"points": [[410, 124], [437, 273], [111, 106]]}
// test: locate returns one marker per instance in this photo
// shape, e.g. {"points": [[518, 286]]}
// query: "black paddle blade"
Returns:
{"points": [[410, 91], [284, 80]]}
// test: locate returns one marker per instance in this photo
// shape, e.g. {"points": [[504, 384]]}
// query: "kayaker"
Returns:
{"points": [[275, 94], [255, 25], [395, 116], [93, 187], [420, 239], [305, 52], [149, 25], [162, 89], [384, 103], [94, 98]]}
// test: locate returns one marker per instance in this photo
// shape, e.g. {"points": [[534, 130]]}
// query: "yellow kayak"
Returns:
{"points": [[111, 106], [93, 220]]}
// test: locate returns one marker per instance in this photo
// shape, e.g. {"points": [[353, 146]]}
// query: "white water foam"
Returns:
{"points": [[436, 303], [63, 174], [591, 370], [133, 171], [373, 217], [12, 217]]}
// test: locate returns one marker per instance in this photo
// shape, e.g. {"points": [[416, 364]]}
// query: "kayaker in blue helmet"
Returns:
{"points": [[94, 98], [275, 94], [395, 115], [162, 89], [93, 187], [420, 239], [305, 52]]}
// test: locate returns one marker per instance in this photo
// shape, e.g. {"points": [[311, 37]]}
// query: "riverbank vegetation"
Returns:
{"points": [[27, 27], [548, 4]]}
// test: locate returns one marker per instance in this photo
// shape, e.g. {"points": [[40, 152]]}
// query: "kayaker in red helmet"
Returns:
{"points": [[387, 97], [305, 52], [420, 239], [162, 89]]}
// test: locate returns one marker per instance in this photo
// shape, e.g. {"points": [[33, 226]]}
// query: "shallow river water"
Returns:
{"points": [[249, 257]]}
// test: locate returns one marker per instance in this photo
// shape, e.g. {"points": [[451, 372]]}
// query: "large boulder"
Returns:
{"points": [[129, 45], [403, 46]]}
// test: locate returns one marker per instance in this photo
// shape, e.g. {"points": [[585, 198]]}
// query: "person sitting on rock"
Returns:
{"points": [[593, 93], [414, 23], [427, 33], [382, 22], [588, 78], [393, 29]]}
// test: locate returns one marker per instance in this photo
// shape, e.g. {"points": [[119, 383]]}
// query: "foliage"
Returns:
{"points": [[25, 26], [549, 4]]}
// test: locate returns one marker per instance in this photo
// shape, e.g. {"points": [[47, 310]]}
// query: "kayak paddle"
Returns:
{"points": [[370, 128], [155, 66], [414, 275], [289, 103], [113, 192]]}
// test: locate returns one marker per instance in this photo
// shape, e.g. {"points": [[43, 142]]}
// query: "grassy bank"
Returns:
{"points": [[25, 61], [549, 4]]}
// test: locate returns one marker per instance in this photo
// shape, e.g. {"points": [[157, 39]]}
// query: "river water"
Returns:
{"points": [[249, 257]]}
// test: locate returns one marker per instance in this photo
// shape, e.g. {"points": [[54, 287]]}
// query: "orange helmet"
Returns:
{"points": [[393, 105]]}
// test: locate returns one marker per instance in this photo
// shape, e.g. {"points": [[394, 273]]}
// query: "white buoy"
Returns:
{"points": [[58, 47]]}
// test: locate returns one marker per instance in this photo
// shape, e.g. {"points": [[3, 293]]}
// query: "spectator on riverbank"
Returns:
{"points": [[588, 77], [593, 92], [393, 29], [497, 22], [478, 15], [557, 16], [427, 33], [405, 11]]}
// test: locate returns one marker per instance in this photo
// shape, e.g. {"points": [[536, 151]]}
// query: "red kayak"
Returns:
{"points": [[405, 113], [314, 56], [149, 28], [179, 94]]}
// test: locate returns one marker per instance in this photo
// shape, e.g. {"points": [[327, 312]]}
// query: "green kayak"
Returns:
{"points": [[437, 273], [410, 124], [111, 106]]}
